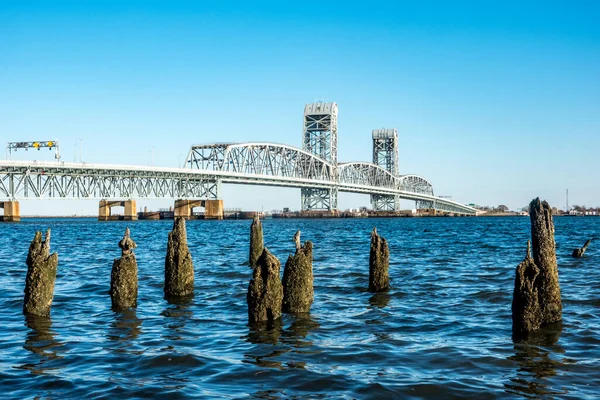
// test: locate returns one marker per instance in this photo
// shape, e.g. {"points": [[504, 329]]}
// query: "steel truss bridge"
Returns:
{"points": [[314, 169], [209, 166]]}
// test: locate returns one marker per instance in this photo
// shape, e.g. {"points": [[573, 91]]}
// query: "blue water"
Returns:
{"points": [[443, 331]]}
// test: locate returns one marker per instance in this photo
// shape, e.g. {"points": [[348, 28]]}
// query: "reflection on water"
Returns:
{"points": [[265, 332], [538, 358], [379, 300], [125, 327], [178, 314], [377, 303], [272, 341], [41, 342], [266, 336], [180, 300], [296, 333]]}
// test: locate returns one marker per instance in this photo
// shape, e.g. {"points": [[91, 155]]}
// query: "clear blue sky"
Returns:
{"points": [[495, 102]]}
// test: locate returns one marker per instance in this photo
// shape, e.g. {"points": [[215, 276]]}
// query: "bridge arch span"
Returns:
{"points": [[415, 184], [260, 158], [365, 174]]}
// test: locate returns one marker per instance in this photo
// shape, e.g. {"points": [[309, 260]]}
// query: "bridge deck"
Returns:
{"points": [[34, 179]]}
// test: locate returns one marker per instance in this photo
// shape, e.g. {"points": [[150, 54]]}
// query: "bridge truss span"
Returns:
{"points": [[20, 179], [208, 166], [365, 174], [415, 184], [267, 159]]}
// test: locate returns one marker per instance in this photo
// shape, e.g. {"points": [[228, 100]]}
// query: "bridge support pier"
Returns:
{"points": [[319, 199], [12, 211], [213, 209], [183, 208], [105, 214], [381, 202]]}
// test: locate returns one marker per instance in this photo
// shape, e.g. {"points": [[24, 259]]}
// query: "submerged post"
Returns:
{"points": [[256, 241], [123, 278], [298, 292], [41, 275], [265, 292], [578, 253], [379, 262], [536, 297], [179, 268]]}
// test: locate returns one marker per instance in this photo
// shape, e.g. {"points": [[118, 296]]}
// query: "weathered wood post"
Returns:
{"points": [[265, 292], [536, 297], [256, 241], [379, 262], [124, 276], [298, 292], [41, 275], [578, 253], [179, 268]]}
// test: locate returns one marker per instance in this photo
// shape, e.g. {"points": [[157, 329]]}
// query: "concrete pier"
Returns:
{"points": [[124, 276], [257, 244], [536, 296], [213, 209], [12, 211], [105, 213], [41, 275], [379, 262], [184, 208], [298, 292], [179, 268], [265, 292]]}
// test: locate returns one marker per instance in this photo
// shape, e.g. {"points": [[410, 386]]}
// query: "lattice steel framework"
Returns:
{"points": [[79, 180], [267, 159], [365, 174], [319, 137], [415, 184], [209, 166], [385, 149], [385, 155]]}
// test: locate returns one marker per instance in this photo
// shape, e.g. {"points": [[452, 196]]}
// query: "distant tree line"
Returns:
{"points": [[576, 208], [500, 209]]}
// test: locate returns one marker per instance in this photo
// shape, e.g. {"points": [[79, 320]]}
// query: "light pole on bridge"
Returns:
{"points": [[151, 152], [80, 142]]}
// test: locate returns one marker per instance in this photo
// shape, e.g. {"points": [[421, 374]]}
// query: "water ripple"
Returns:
{"points": [[443, 331]]}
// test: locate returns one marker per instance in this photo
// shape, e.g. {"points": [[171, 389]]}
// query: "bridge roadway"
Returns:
{"points": [[35, 179]]}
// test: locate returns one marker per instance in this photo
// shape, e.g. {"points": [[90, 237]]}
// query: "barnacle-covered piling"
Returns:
{"points": [[179, 268], [256, 241], [578, 253], [124, 276], [536, 297], [41, 275], [379, 262], [298, 293], [265, 292]]}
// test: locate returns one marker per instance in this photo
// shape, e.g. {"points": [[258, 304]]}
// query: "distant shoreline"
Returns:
{"points": [[494, 215]]}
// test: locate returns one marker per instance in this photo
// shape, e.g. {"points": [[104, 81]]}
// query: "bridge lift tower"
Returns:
{"points": [[319, 137], [385, 155]]}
